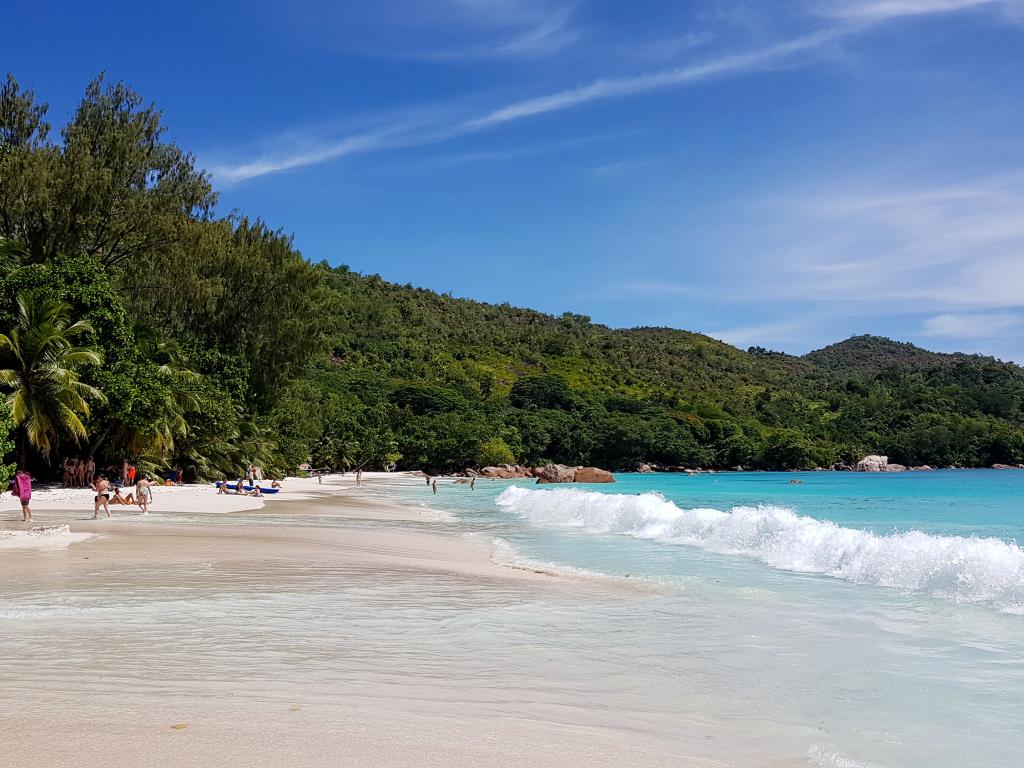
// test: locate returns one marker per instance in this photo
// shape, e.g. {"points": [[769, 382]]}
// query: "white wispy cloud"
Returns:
{"points": [[390, 136], [883, 10], [540, 33], [974, 325], [953, 244], [763, 334], [546, 30], [617, 87]]}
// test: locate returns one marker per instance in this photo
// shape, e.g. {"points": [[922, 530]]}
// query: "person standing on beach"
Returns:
{"points": [[472, 483], [143, 494], [433, 485], [124, 472], [102, 488], [23, 490], [90, 472], [359, 476]]}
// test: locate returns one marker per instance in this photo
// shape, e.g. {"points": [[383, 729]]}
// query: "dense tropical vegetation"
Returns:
{"points": [[138, 323]]}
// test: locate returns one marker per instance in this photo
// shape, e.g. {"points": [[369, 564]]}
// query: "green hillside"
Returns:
{"points": [[871, 354], [138, 324]]}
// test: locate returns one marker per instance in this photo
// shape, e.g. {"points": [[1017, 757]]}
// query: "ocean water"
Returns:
{"points": [[880, 617]]}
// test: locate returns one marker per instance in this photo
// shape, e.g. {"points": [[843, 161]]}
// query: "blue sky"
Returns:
{"points": [[775, 173]]}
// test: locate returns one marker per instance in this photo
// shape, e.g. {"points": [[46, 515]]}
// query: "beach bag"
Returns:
{"points": [[22, 487]]}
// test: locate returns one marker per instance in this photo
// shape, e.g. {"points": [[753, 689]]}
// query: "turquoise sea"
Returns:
{"points": [[871, 620]]}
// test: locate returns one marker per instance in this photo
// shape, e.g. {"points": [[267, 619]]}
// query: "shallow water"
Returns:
{"points": [[877, 616], [718, 650]]}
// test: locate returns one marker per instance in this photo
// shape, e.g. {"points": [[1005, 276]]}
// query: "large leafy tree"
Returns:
{"points": [[46, 397], [112, 188]]}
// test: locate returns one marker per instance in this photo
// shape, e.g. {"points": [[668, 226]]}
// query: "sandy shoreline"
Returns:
{"points": [[112, 708]]}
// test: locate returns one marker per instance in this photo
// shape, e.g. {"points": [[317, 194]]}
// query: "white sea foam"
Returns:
{"points": [[505, 554], [970, 570], [41, 537], [820, 756]]}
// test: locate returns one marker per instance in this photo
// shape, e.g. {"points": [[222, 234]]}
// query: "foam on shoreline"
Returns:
{"points": [[42, 537]]}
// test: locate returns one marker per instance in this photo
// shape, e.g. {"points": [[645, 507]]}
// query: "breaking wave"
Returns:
{"points": [[966, 570]]}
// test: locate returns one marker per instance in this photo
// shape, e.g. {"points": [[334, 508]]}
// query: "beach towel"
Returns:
{"points": [[22, 487]]}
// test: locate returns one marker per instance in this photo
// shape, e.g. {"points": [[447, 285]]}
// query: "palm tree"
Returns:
{"points": [[12, 254], [46, 397]]}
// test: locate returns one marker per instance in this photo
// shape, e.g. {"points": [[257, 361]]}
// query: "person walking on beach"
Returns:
{"points": [[143, 493], [23, 490], [102, 488]]}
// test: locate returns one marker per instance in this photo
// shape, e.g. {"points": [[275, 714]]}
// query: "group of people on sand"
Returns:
{"points": [[78, 473], [108, 493], [251, 481], [83, 473]]}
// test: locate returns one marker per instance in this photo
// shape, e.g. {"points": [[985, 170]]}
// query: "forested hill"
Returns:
{"points": [[871, 354], [138, 324]]}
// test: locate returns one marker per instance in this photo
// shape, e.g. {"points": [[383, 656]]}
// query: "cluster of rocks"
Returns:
{"points": [[648, 468], [549, 473]]}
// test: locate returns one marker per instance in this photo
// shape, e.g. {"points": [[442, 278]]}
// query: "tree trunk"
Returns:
{"points": [[99, 442]]}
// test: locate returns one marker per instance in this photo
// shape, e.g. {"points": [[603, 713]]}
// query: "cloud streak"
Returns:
{"points": [[388, 137], [852, 17], [884, 10], [974, 325]]}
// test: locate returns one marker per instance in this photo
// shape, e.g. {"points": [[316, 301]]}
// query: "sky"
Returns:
{"points": [[783, 173]]}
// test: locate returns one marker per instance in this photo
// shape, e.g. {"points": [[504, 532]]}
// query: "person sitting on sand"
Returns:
{"points": [[222, 486], [275, 484], [143, 493], [117, 498], [240, 486], [102, 499], [256, 491]]}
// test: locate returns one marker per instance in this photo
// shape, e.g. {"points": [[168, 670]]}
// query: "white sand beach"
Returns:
{"points": [[171, 642]]}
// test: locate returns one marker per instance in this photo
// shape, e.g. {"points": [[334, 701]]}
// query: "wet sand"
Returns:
{"points": [[184, 644]]}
